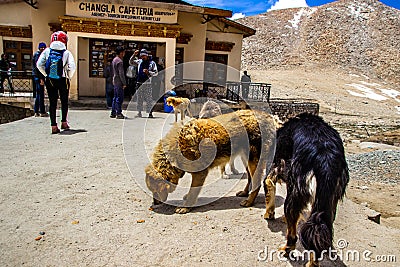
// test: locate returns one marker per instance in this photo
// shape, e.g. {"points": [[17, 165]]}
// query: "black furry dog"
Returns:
{"points": [[310, 158]]}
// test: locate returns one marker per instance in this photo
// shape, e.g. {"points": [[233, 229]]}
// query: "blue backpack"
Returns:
{"points": [[54, 64]]}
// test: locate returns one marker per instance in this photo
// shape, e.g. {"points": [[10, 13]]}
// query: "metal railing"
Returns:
{"points": [[232, 91], [21, 81]]}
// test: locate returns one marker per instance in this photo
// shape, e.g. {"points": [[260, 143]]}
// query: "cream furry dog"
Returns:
{"points": [[180, 105], [200, 145]]}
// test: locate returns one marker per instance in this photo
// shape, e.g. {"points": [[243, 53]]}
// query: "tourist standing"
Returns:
{"points": [[119, 83], [246, 80], [108, 74], [5, 68], [147, 68], [57, 64], [38, 79]]}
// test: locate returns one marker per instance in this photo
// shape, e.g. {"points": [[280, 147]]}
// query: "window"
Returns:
{"points": [[179, 67], [215, 73], [19, 54]]}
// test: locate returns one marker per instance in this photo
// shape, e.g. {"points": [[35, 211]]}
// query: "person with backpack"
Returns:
{"points": [[57, 64], [38, 79]]}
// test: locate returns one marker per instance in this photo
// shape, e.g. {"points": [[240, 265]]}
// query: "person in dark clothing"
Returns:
{"points": [[4, 75], [108, 74], [119, 83], [38, 79], [157, 82], [246, 80], [147, 68]]}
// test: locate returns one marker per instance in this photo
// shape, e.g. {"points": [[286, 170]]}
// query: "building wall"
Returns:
{"points": [[17, 14], [195, 50], [234, 56], [21, 14], [48, 12]]}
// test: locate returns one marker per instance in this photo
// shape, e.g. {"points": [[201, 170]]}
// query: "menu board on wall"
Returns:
{"points": [[100, 50]]}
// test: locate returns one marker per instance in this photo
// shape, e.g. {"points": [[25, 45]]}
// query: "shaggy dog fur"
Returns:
{"points": [[310, 159], [212, 109], [181, 105], [203, 144]]}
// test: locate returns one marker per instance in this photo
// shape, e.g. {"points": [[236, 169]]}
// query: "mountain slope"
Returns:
{"points": [[358, 35]]}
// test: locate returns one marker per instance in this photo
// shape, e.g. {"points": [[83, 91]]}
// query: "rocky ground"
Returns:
{"points": [[349, 102]]}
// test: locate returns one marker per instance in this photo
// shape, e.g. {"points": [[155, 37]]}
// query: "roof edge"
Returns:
{"points": [[246, 30]]}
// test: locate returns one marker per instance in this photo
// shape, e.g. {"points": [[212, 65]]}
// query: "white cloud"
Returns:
{"points": [[283, 4], [237, 16]]}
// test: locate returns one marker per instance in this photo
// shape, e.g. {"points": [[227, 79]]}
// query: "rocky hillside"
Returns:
{"points": [[359, 35]]}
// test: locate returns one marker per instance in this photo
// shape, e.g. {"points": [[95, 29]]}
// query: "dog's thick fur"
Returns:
{"points": [[203, 144], [310, 159], [211, 109], [180, 105]]}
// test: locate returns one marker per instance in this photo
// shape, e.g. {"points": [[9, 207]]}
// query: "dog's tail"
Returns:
{"points": [[316, 234]]}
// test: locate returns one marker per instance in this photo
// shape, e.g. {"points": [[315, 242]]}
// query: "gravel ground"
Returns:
{"points": [[381, 166]]}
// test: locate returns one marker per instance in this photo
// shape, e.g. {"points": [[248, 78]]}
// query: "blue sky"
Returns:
{"points": [[242, 8]]}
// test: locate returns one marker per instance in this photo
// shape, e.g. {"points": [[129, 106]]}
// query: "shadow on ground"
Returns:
{"points": [[73, 131]]}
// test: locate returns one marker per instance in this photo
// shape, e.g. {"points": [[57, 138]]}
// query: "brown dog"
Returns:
{"points": [[212, 109], [180, 105], [203, 144]]}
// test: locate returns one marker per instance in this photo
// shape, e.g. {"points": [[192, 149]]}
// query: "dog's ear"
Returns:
{"points": [[167, 186]]}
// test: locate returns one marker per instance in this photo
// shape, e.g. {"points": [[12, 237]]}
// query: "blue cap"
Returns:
{"points": [[42, 45]]}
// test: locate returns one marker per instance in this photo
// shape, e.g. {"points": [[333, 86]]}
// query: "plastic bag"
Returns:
{"points": [[131, 72]]}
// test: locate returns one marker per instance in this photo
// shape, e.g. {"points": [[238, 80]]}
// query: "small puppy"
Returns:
{"points": [[180, 105], [211, 109]]}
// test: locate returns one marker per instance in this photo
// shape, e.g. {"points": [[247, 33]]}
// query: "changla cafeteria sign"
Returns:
{"points": [[121, 12]]}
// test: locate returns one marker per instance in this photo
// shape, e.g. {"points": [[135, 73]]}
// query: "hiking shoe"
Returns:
{"points": [[55, 130], [120, 116], [64, 125], [112, 115]]}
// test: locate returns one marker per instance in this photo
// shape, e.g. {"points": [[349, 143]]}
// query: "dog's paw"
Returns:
{"points": [[246, 203], [286, 249], [235, 172], [269, 216], [224, 176], [312, 264], [242, 194], [182, 210]]}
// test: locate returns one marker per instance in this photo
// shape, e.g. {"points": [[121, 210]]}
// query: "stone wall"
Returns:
{"points": [[286, 108], [10, 113]]}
